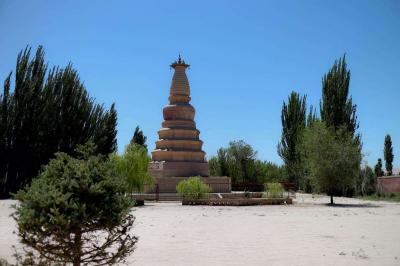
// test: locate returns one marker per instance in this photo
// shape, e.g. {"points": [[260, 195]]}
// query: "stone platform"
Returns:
{"points": [[218, 184], [171, 169], [238, 202]]}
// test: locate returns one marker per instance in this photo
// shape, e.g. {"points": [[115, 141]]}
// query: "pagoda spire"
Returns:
{"points": [[180, 89], [179, 63]]}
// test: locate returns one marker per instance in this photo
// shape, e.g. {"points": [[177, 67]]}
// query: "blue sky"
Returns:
{"points": [[246, 57]]}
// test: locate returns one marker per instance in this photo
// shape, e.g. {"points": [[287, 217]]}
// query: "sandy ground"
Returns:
{"points": [[307, 233]]}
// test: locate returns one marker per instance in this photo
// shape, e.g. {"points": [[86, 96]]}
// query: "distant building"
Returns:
{"points": [[389, 184]]}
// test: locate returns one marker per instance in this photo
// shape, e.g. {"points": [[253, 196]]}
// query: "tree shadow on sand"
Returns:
{"points": [[349, 205]]}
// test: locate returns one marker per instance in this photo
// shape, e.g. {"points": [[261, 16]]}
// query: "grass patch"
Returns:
{"points": [[273, 190], [392, 197], [193, 188]]}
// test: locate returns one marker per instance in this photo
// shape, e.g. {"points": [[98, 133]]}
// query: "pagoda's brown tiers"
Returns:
{"points": [[179, 144], [178, 155], [181, 133], [178, 112], [178, 123], [179, 149]]}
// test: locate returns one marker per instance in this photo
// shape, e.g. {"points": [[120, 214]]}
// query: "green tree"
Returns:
{"points": [[368, 185], [223, 162], [267, 172], [312, 117], [378, 168], [46, 111], [106, 139], [293, 119], [239, 161], [388, 155], [213, 166], [241, 157], [139, 137], [75, 212], [333, 160], [132, 167], [220, 165], [336, 107]]}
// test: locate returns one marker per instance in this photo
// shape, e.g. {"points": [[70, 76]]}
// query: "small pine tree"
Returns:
{"points": [[388, 155], [76, 212], [139, 138], [378, 168]]}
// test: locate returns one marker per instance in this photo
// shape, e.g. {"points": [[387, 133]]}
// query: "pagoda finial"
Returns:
{"points": [[179, 62]]}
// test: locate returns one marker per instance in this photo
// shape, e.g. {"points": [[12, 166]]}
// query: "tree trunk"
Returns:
{"points": [[77, 248], [331, 199]]}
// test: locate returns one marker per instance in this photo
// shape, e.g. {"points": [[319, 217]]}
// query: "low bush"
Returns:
{"points": [[273, 190], [192, 188]]}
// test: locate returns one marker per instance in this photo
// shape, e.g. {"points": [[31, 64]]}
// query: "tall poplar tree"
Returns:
{"points": [[336, 107], [47, 111], [388, 155], [293, 118]]}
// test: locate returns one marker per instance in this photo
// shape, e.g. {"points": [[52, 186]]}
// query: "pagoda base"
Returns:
{"points": [[218, 184], [170, 169]]}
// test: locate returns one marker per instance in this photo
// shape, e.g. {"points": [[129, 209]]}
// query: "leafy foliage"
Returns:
{"points": [[239, 161], [293, 119], [336, 107], [139, 138], [46, 112], [378, 168], [75, 212], [273, 190], [388, 155], [236, 161], [269, 172], [312, 117], [333, 160], [193, 188], [132, 167], [368, 185]]}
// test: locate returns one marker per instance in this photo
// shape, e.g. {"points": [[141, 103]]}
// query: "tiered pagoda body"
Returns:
{"points": [[179, 151]]}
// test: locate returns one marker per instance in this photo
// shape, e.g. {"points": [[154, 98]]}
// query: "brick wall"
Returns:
{"points": [[389, 184]]}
